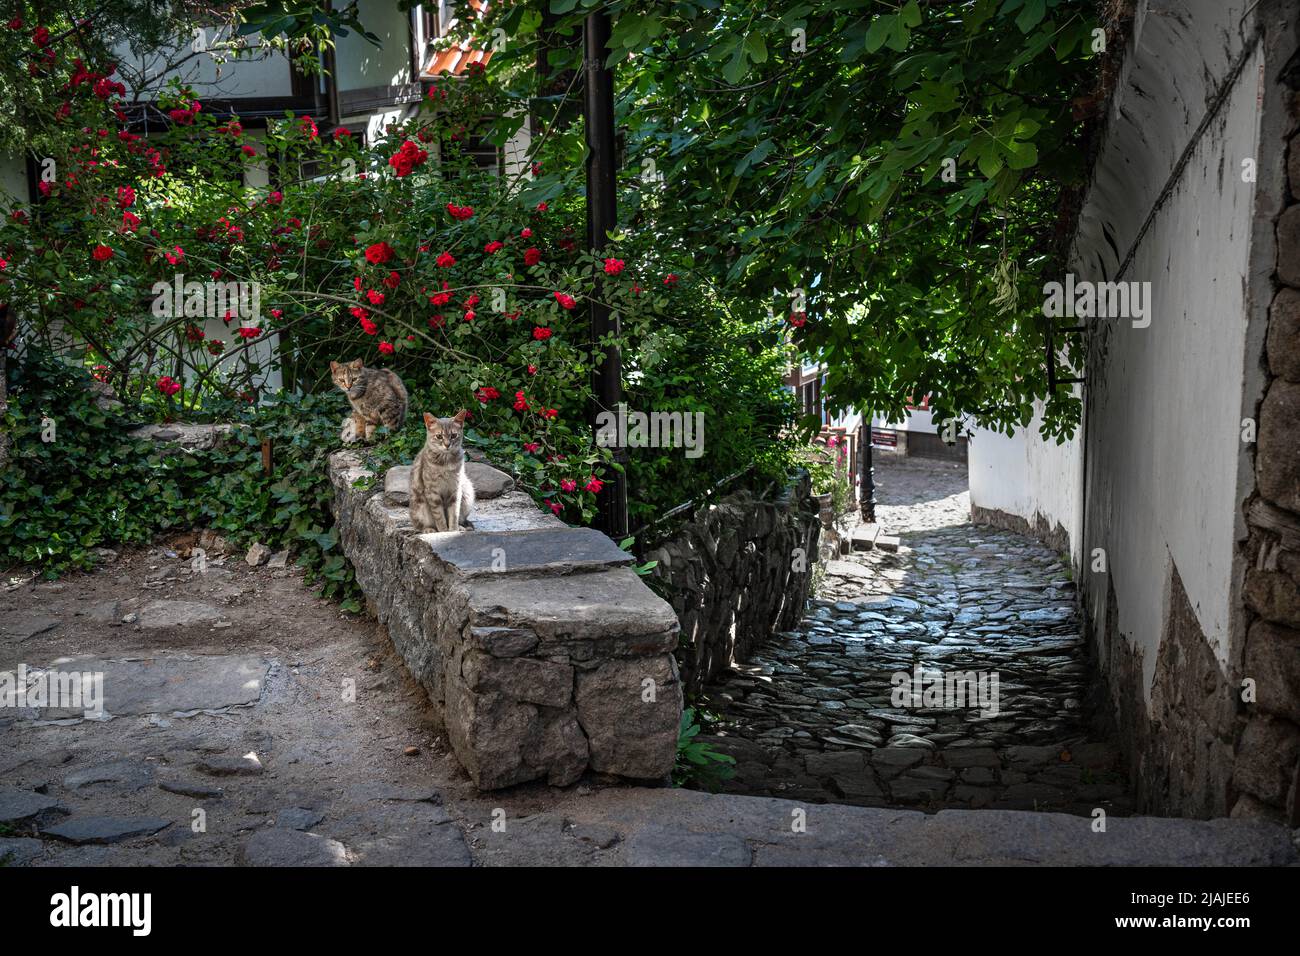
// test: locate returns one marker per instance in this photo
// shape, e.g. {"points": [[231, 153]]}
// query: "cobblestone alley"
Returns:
{"points": [[815, 716]]}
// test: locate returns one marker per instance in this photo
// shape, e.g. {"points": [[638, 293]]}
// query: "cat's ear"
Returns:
{"points": [[459, 417], [429, 420], [356, 364], [334, 366]]}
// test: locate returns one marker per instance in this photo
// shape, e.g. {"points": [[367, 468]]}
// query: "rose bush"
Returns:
{"points": [[472, 284]]}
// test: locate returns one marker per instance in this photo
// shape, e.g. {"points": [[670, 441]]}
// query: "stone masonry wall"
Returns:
{"points": [[1172, 547], [542, 652], [1266, 775], [739, 571]]}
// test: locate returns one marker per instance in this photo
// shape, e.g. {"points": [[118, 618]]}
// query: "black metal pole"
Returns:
{"points": [[867, 492], [602, 213]]}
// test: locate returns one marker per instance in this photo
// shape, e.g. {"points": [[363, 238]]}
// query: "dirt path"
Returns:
{"points": [[200, 670]]}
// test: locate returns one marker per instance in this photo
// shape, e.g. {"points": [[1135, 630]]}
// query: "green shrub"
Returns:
{"points": [[93, 486]]}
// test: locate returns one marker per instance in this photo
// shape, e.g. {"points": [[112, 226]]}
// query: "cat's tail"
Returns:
{"points": [[467, 498]]}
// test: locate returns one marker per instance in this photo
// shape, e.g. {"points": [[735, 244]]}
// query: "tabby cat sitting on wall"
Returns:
{"points": [[377, 396], [441, 494]]}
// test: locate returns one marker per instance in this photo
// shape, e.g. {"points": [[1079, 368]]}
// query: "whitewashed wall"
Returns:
{"points": [[361, 64], [265, 73], [1031, 478], [1164, 402]]}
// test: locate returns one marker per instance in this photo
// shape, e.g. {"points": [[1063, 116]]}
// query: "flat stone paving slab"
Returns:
{"points": [[604, 604], [169, 683], [19, 850], [671, 827], [105, 829], [158, 614], [556, 550], [278, 846], [20, 627], [17, 806]]}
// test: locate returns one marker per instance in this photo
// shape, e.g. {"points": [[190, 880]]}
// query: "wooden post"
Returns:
{"points": [[602, 214]]}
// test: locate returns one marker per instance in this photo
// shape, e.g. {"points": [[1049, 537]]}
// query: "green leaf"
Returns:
{"points": [[881, 27], [1031, 15]]}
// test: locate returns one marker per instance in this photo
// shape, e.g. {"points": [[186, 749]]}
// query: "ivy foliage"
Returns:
{"points": [[77, 480]]}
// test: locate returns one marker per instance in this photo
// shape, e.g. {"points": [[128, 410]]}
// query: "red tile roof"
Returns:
{"points": [[455, 60]]}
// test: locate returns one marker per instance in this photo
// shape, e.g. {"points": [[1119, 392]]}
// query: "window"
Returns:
{"points": [[437, 16]]}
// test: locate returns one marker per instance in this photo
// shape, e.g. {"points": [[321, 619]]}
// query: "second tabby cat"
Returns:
{"points": [[377, 397]]}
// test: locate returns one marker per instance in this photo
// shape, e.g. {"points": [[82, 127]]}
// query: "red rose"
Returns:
{"points": [[407, 158], [541, 333], [532, 256], [446, 260], [566, 301], [613, 267], [379, 253], [594, 485], [386, 348], [493, 246], [376, 298], [369, 327], [102, 253], [460, 212]]}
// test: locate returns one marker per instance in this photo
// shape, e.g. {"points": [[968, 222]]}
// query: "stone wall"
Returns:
{"points": [[1054, 536], [1266, 775], [542, 652], [737, 572], [1193, 134]]}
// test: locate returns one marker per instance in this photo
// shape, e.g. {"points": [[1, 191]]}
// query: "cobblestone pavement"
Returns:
{"points": [[816, 714]]}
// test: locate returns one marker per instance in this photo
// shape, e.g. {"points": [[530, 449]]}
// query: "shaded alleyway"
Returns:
{"points": [[816, 714]]}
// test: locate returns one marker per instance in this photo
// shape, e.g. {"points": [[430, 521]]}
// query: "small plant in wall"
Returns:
{"points": [[641, 569], [697, 762]]}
